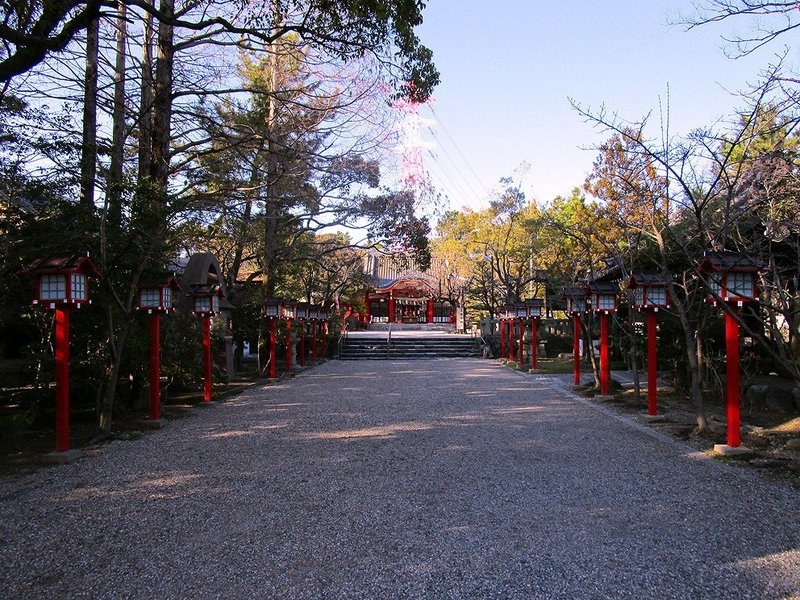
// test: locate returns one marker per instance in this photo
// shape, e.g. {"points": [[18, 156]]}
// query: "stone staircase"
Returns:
{"points": [[430, 346]]}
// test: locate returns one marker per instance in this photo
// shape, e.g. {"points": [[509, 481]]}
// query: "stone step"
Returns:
{"points": [[375, 348]]}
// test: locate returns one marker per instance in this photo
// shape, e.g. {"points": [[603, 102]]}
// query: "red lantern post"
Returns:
{"points": [[61, 283], [156, 298], [289, 312], [206, 305], [604, 302], [273, 310], [501, 325], [649, 295], [576, 306], [313, 314], [301, 312], [731, 279], [522, 316], [534, 307], [324, 314]]}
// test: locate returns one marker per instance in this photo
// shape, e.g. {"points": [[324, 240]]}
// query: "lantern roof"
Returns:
{"points": [[75, 263], [646, 279], [728, 261], [602, 287], [165, 280], [534, 302], [207, 290], [573, 292]]}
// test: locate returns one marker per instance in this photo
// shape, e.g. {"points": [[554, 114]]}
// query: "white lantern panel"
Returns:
{"points": [[535, 311], [78, 284], [149, 298], [53, 287], [522, 312], [215, 304], [606, 302], [202, 304], [657, 296], [638, 296], [740, 285], [167, 297], [715, 283]]}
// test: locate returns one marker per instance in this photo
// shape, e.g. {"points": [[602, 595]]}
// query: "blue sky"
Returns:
{"points": [[509, 67]]}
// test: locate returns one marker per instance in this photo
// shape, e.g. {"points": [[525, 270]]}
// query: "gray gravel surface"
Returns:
{"points": [[452, 478]]}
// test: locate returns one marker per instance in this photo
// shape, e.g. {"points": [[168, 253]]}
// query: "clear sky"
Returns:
{"points": [[508, 68]]}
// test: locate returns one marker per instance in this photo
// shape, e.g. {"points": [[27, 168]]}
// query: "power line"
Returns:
{"points": [[454, 186], [455, 165], [461, 154]]}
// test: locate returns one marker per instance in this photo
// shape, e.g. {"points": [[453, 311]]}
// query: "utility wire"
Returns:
{"points": [[464, 198], [455, 165], [461, 154]]}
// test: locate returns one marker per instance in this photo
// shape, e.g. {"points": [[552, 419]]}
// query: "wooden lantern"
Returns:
{"points": [[205, 300], [62, 281], [649, 291], [535, 307], [274, 308], [157, 296], [603, 296], [576, 300], [731, 277]]}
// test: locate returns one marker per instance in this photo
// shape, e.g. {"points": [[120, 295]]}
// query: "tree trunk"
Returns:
{"points": [[272, 209], [146, 106], [162, 104], [116, 343], [89, 145], [114, 180]]}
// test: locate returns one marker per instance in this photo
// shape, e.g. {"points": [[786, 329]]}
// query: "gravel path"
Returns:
{"points": [[452, 478]]}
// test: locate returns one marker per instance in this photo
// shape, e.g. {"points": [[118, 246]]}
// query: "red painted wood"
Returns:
{"points": [[313, 342], [502, 326], [429, 311], [62, 377], [534, 343], [511, 342], [288, 344], [392, 309], [301, 353], [576, 348], [521, 356], [604, 366], [206, 358], [273, 351], [155, 366], [652, 362], [732, 392]]}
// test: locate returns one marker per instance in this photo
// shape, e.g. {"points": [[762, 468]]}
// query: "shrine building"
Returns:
{"points": [[398, 292]]}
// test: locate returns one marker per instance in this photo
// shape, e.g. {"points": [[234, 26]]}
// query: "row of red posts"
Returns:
{"points": [[513, 321], [62, 283], [313, 320], [731, 280]]}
